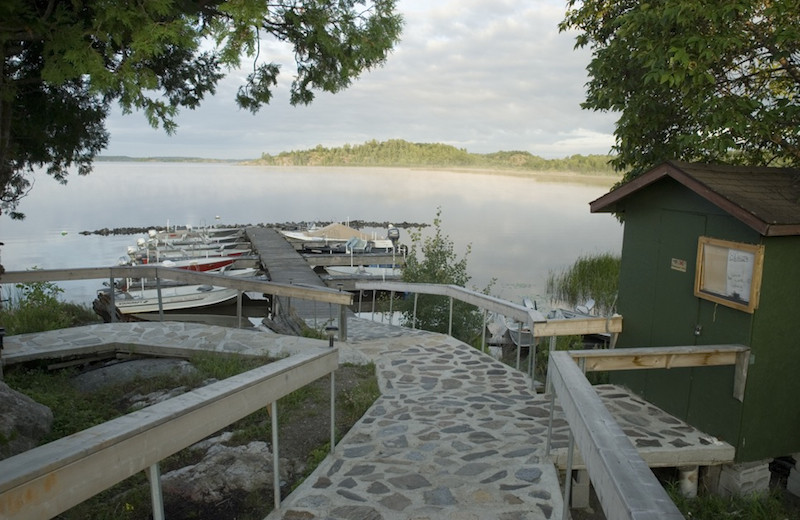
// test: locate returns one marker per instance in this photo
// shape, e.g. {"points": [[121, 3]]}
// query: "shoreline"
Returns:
{"points": [[541, 175]]}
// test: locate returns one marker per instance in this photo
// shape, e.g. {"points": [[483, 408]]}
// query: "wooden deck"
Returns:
{"points": [[283, 264]]}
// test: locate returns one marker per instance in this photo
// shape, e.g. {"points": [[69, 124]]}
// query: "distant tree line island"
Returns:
{"points": [[397, 152]]}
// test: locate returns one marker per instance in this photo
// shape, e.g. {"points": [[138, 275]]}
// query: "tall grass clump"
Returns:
{"points": [[36, 307], [590, 277], [706, 506]]}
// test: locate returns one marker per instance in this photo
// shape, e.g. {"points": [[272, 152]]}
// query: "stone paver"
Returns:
{"points": [[455, 435]]}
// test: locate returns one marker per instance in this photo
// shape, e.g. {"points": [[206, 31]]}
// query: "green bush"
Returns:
{"points": [[434, 260], [36, 308]]}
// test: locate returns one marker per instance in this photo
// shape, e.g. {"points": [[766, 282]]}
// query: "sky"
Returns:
{"points": [[482, 76]]}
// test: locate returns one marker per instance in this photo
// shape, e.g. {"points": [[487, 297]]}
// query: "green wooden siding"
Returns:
{"points": [[662, 222], [771, 421]]}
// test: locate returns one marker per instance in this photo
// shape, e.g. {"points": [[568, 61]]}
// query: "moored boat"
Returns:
{"points": [[172, 298]]}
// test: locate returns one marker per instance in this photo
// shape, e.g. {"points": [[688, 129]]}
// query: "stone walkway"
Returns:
{"points": [[456, 434]]}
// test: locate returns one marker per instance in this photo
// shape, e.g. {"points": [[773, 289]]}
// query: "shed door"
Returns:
{"points": [[675, 307]]}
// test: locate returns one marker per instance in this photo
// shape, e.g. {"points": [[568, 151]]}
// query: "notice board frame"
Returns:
{"points": [[729, 273]]}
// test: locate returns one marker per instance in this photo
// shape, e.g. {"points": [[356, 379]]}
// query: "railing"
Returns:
{"points": [[45, 481], [625, 485], [550, 328], [317, 294]]}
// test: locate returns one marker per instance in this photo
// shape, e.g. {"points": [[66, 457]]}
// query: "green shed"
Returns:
{"points": [[711, 255]]}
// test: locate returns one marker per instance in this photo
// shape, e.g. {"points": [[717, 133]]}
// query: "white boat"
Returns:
{"points": [[345, 237], [520, 333], [365, 271], [172, 298]]}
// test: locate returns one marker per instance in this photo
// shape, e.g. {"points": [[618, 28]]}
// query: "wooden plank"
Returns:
{"points": [[658, 357], [319, 293], [625, 485], [577, 326], [360, 259], [45, 481]]}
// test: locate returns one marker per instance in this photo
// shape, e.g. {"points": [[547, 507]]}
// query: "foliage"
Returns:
{"points": [[767, 506], [64, 63], [397, 152], [694, 80], [590, 277], [434, 260], [36, 308], [354, 402]]}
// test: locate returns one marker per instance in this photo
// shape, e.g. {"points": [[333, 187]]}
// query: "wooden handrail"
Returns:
{"points": [[625, 485], [319, 294], [670, 357], [45, 481]]}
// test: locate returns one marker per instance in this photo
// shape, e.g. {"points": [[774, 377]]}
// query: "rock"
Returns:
{"points": [[23, 422], [224, 469], [117, 372]]}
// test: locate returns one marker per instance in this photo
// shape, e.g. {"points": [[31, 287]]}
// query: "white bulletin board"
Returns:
{"points": [[729, 273]]}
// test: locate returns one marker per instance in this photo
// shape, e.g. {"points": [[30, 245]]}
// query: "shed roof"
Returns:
{"points": [[766, 199]]}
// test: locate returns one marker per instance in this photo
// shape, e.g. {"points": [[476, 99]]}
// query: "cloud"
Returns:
{"points": [[485, 76]]}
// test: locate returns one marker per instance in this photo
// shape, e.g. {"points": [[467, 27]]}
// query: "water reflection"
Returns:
{"points": [[520, 228]]}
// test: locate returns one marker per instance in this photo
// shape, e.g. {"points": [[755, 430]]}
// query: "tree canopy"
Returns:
{"points": [[65, 61], [697, 80], [397, 152]]}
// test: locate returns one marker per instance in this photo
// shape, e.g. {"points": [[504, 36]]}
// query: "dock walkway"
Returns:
{"points": [[284, 264], [455, 435]]}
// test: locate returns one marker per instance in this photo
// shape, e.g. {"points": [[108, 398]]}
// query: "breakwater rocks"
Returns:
{"points": [[357, 224]]}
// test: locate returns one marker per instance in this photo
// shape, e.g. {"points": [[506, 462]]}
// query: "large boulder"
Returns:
{"points": [[23, 422], [224, 469]]}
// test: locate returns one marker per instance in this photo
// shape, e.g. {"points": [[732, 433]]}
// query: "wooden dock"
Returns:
{"points": [[283, 264]]}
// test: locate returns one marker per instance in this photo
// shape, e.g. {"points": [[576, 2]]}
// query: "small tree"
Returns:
{"points": [[434, 260]]}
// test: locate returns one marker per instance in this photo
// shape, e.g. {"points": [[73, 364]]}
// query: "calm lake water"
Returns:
{"points": [[520, 228]]}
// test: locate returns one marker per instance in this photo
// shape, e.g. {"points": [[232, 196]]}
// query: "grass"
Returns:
{"points": [[765, 506], [590, 277]]}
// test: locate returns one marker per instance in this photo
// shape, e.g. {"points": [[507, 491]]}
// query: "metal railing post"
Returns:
{"points": [[160, 300], [111, 291], [483, 332], [239, 309], [568, 476], [276, 473], [156, 494], [414, 316], [450, 319], [332, 332]]}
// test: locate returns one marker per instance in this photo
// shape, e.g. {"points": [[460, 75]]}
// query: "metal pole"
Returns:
{"points": [[414, 316], [2, 334], [276, 474], [239, 309], [113, 310], [160, 300], [331, 331], [532, 354], [568, 476], [450, 322], [391, 304], [361, 301], [156, 495], [550, 423], [483, 333]]}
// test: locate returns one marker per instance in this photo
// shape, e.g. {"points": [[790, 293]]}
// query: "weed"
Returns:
{"points": [[706, 506], [36, 307]]}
